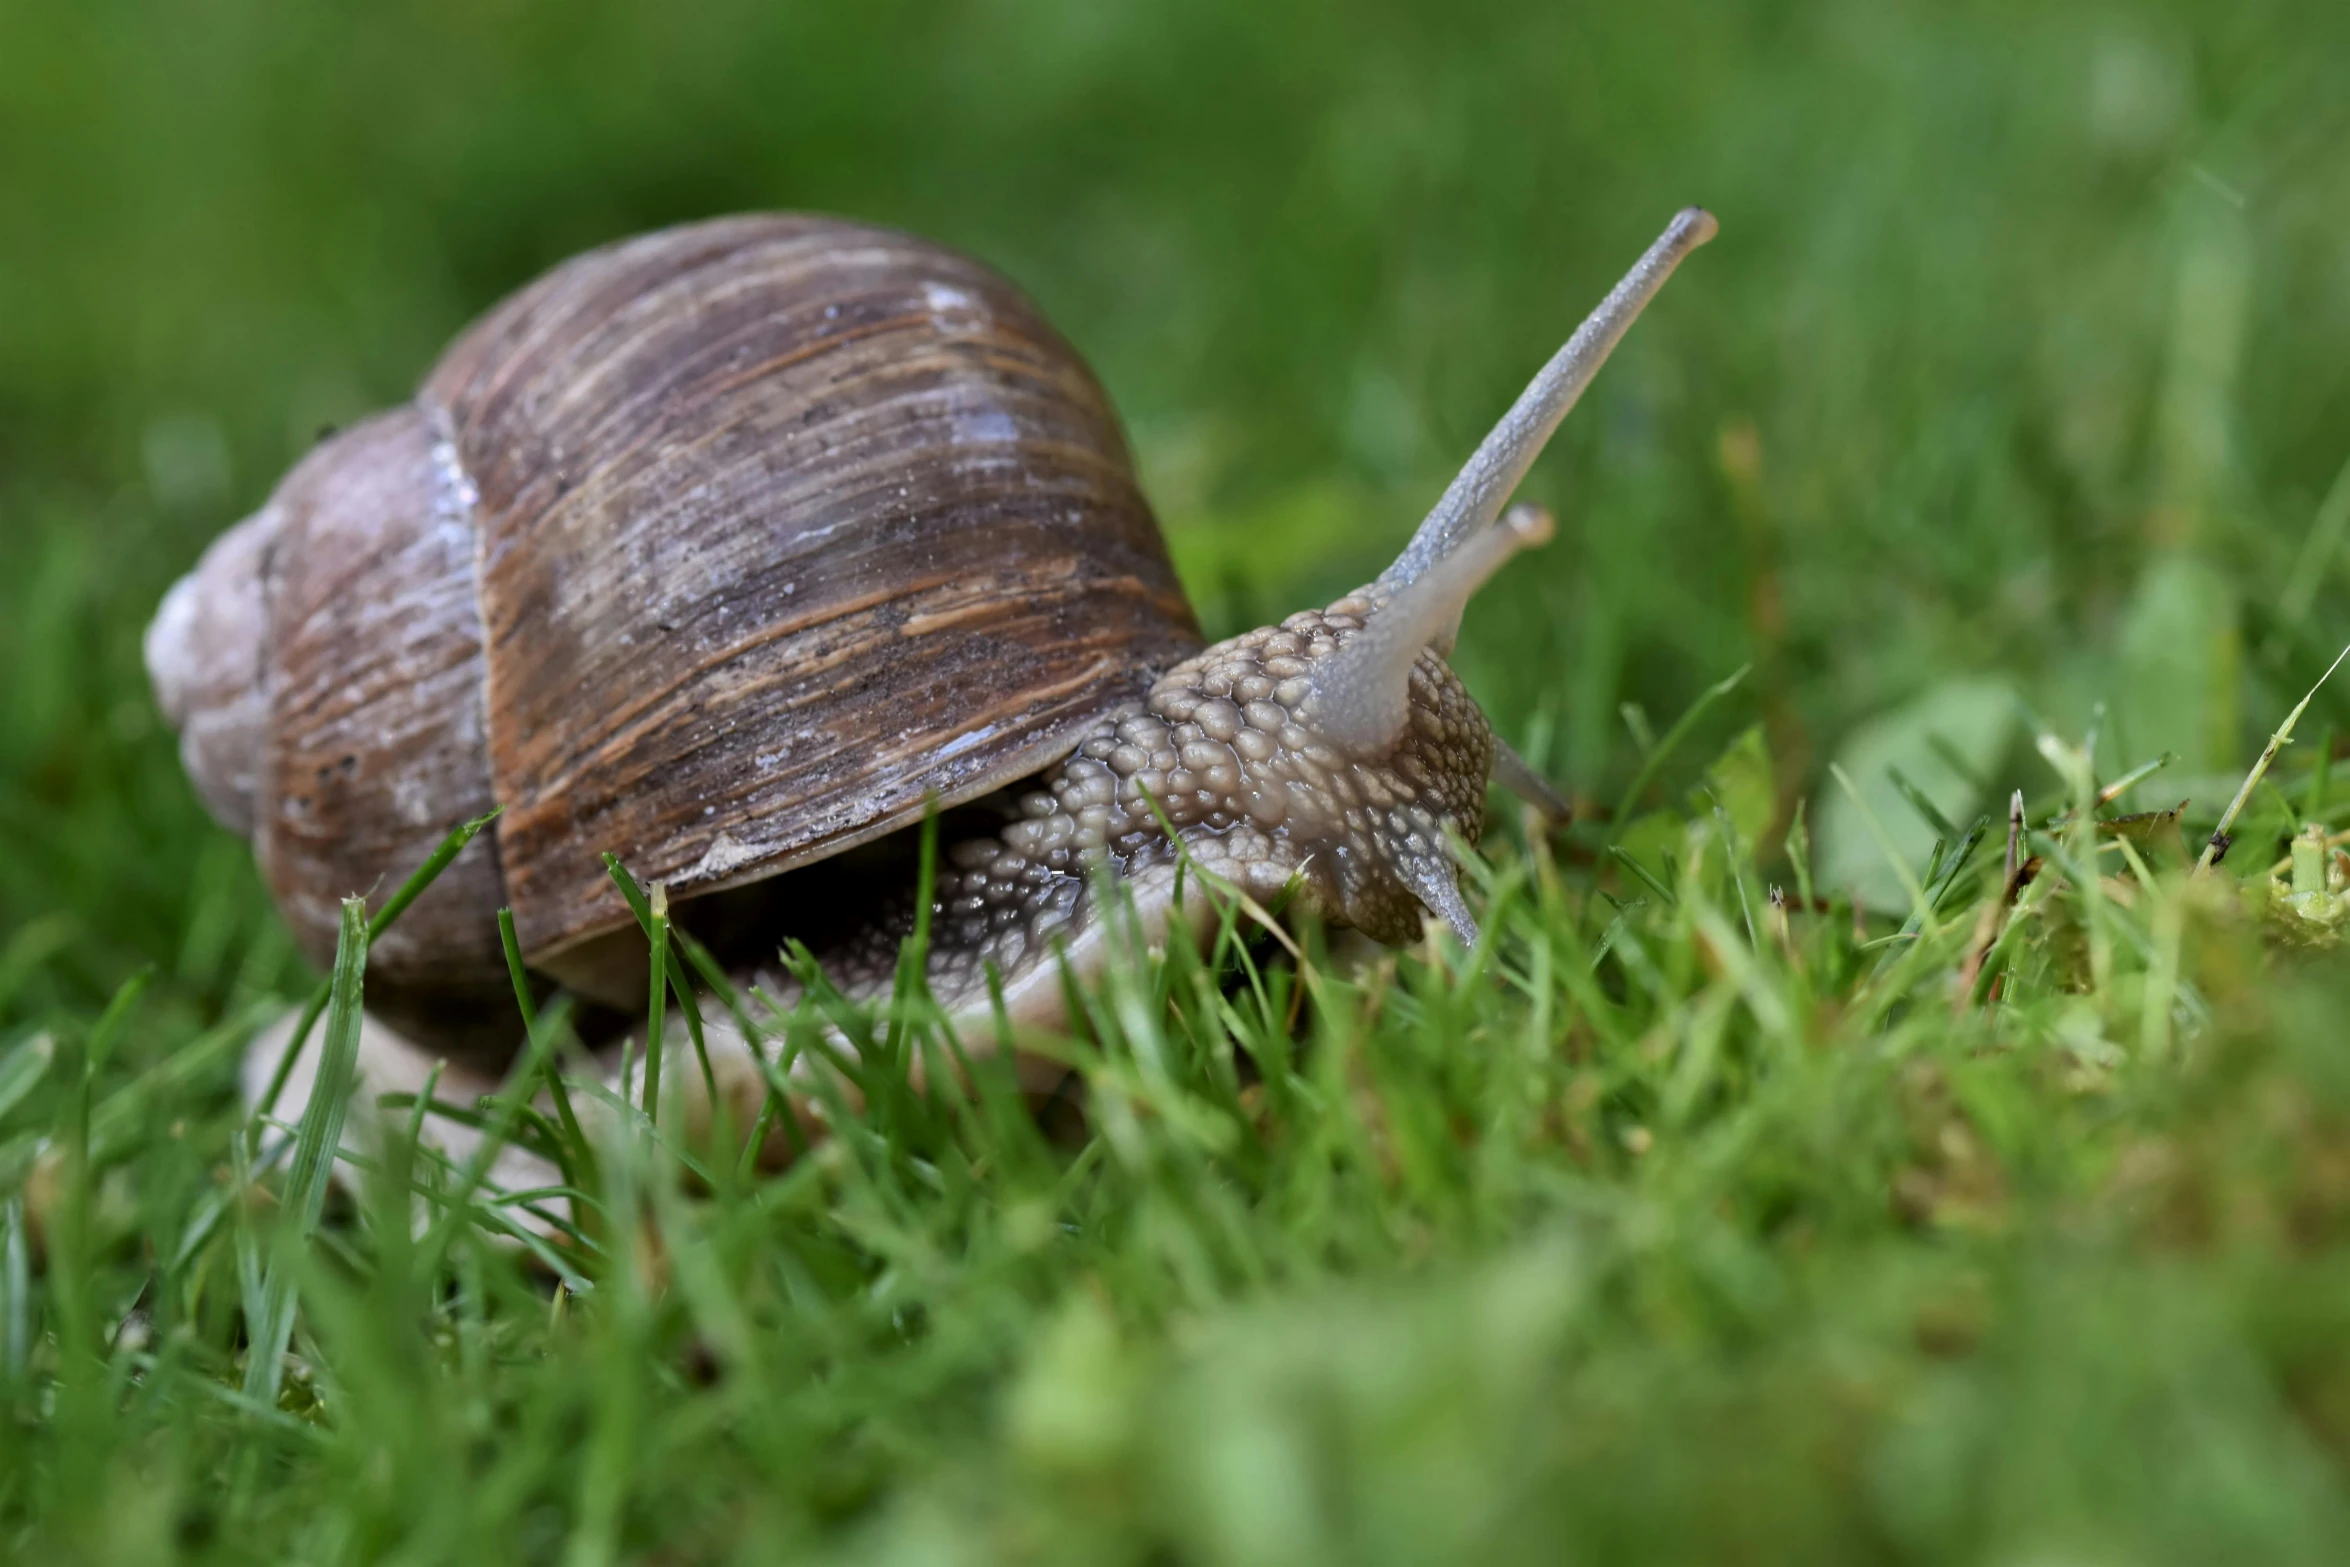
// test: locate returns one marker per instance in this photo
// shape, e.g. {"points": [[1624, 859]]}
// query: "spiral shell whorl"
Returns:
{"points": [[205, 653]]}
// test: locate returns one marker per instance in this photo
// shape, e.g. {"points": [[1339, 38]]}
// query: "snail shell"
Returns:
{"points": [[721, 549]]}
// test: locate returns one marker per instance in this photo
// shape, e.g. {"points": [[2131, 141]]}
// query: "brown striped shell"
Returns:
{"points": [[720, 549]]}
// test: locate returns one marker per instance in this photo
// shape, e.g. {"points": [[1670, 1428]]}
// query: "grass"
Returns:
{"points": [[1998, 444], [1661, 1226]]}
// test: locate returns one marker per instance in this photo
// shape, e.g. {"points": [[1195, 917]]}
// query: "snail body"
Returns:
{"points": [[734, 549]]}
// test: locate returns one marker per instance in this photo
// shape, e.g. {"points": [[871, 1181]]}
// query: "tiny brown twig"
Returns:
{"points": [[1993, 919]]}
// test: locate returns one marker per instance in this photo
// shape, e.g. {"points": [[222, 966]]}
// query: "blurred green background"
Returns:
{"points": [[2019, 368], [2018, 379]]}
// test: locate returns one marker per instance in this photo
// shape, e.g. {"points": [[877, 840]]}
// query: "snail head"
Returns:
{"points": [[1341, 737]]}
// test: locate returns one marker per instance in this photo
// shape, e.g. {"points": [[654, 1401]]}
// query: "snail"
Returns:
{"points": [[733, 550]]}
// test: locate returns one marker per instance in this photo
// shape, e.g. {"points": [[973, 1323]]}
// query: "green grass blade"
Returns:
{"points": [[667, 979], [497, 1131], [1663, 750], [578, 1152], [1928, 812], [1737, 861], [1910, 884], [316, 1145], [401, 901], [114, 1020], [16, 1291], [1647, 878], [2217, 844], [426, 874], [657, 994]]}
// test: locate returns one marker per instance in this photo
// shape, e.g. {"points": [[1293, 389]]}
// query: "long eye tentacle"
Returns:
{"points": [[1492, 475]]}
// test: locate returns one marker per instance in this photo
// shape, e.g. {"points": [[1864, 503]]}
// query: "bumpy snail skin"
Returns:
{"points": [[1224, 752]]}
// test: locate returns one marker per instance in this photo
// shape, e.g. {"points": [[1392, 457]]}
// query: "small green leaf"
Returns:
{"points": [[1742, 781], [1974, 719]]}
